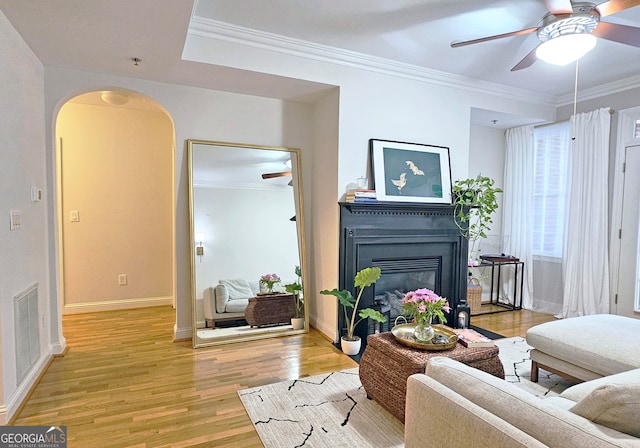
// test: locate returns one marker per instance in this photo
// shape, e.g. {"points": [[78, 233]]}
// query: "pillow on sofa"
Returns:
{"points": [[581, 390], [222, 297], [615, 406], [237, 288]]}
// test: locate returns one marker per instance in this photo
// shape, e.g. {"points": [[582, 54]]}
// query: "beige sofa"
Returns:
{"points": [[453, 405]]}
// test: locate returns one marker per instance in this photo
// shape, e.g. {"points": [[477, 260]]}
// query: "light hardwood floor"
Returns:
{"points": [[124, 383]]}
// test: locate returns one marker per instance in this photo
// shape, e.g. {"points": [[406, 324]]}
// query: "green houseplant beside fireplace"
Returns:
{"points": [[475, 201], [349, 343]]}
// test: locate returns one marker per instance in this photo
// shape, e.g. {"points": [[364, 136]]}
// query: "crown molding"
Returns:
{"points": [[264, 186], [214, 29], [621, 85]]}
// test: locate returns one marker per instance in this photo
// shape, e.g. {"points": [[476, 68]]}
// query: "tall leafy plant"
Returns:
{"points": [[295, 288], [365, 277], [475, 201]]}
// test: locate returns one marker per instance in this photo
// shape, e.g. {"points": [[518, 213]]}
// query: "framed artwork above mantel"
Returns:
{"points": [[410, 172]]}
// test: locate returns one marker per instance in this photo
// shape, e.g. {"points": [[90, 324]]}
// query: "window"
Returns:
{"points": [[550, 189]]}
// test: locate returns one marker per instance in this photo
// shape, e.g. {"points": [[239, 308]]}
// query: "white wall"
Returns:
{"points": [[321, 210], [25, 257], [486, 157]]}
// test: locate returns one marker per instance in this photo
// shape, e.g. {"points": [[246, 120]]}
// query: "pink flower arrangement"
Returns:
{"points": [[270, 280], [424, 305]]}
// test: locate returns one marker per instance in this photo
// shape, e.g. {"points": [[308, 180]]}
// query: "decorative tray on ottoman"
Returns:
{"points": [[444, 339]]}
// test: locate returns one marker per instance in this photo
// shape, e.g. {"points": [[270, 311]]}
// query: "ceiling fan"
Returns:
{"points": [[568, 22], [280, 174], [274, 175]]}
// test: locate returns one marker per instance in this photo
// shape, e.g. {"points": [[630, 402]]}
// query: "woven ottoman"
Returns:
{"points": [[386, 364], [270, 310]]}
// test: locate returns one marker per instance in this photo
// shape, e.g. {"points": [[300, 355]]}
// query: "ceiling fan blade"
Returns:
{"points": [[623, 34], [556, 7], [527, 61], [614, 6], [272, 175], [497, 36]]}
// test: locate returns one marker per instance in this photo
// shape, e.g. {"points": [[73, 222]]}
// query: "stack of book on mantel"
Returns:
{"points": [[359, 195], [471, 338]]}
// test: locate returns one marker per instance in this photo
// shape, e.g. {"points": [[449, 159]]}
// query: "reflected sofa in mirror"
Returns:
{"points": [[247, 222]]}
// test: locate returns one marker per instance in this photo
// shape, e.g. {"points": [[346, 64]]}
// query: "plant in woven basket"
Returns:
{"points": [[365, 277], [474, 201]]}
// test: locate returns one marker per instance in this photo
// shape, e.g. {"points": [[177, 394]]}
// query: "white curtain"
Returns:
{"points": [[517, 201], [585, 264]]}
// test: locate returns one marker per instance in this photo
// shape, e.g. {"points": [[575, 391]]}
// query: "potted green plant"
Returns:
{"points": [[366, 277], [474, 201], [295, 288]]}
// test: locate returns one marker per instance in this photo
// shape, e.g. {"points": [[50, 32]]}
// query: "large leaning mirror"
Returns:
{"points": [[247, 242]]}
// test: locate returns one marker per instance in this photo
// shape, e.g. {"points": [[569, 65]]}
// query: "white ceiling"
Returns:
{"points": [[103, 36]]}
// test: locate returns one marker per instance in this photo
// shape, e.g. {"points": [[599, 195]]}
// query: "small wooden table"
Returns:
{"points": [[386, 364]]}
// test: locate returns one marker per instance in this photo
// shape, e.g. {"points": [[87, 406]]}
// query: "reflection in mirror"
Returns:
{"points": [[246, 226]]}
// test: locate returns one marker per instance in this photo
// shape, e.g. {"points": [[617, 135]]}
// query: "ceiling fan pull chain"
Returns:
{"points": [[575, 101]]}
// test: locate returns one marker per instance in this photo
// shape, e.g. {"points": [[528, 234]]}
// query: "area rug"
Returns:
{"points": [[331, 410], [514, 354]]}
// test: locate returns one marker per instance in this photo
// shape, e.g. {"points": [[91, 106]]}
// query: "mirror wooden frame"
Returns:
{"points": [[296, 178]]}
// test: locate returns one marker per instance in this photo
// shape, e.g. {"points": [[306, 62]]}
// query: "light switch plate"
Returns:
{"points": [[74, 216], [15, 222], [36, 194]]}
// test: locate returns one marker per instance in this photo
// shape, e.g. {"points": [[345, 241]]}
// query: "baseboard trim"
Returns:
{"points": [[182, 334], [329, 331], [110, 305], [16, 401]]}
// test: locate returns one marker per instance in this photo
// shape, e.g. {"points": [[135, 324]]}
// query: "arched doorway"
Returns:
{"points": [[115, 152]]}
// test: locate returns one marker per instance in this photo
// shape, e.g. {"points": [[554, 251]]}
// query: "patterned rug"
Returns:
{"points": [[331, 410], [514, 354]]}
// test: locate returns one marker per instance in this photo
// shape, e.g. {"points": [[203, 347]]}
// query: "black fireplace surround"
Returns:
{"points": [[415, 245]]}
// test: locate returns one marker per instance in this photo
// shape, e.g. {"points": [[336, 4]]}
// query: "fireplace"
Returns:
{"points": [[414, 245]]}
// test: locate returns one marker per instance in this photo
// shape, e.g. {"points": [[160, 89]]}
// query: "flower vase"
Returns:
{"points": [[424, 332]]}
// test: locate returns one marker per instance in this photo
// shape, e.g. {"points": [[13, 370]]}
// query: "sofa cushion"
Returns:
{"points": [[237, 288], [615, 406], [580, 391], [551, 425], [236, 306]]}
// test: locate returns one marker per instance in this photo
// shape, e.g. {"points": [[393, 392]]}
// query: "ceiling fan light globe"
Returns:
{"points": [[566, 48]]}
